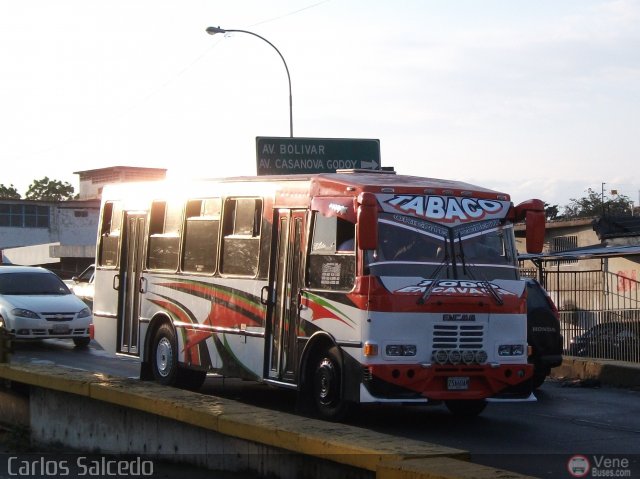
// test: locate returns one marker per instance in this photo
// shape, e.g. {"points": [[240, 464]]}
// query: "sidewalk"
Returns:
{"points": [[608, 372]]}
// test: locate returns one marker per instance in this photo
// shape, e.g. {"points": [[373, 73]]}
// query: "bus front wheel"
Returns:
{"points": [[327, 386], [164, 356]]}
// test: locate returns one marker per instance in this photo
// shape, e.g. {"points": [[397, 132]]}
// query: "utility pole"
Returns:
{"points": [[602, 197]]}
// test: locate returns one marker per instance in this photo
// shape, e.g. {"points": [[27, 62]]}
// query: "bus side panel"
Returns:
{"points": [[334, 314], [341, 320], [214, 318], [240, 355]]}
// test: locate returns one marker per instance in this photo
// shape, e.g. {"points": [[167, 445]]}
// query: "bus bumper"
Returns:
{"points": [[439, 383]]}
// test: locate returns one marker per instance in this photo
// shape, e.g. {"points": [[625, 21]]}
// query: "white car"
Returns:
{"points": [[83, 286], [36, 304]]}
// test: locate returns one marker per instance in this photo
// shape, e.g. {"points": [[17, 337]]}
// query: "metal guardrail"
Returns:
{"points": [[599, 312], [613, 334]]}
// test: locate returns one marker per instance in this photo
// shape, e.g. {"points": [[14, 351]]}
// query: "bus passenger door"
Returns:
{"points": [[285, 314], [130, 284]]}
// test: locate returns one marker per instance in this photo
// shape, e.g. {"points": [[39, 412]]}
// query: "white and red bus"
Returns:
{"points": [[351, 287]]}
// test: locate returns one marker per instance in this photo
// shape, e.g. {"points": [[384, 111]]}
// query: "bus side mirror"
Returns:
{"points": [[367, 221], [532, 211]]}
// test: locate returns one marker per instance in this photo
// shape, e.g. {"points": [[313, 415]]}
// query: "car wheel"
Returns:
{"points": [[466, 407], [327, 386], [164, 356], [81, 342]]}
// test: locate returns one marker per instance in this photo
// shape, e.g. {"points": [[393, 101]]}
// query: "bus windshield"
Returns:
{"points": [[408, 246]]}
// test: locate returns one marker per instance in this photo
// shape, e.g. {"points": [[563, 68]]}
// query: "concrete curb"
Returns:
{"points": [[388, 456], [608, 372]]}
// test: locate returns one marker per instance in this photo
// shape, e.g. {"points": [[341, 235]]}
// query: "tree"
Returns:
{"points": [[9, 193], [50, 190], [551, 211], [592, 205]]}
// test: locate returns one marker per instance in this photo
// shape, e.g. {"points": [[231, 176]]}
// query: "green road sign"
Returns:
{"points": [[286, 156]]}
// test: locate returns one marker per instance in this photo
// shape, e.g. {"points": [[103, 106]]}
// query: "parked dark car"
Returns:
{"points": [[543, 332], [611, 340]]}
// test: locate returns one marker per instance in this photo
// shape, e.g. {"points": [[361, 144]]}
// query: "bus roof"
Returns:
{"points": [[350, 182]]}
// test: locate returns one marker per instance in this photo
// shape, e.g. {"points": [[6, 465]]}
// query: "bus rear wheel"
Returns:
{"points": [[466, 407], [327, 386], [164, 356]]}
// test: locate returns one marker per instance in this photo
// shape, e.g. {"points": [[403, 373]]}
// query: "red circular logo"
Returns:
{"points": [[578, 466]]}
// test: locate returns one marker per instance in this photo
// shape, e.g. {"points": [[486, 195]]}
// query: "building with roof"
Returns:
{"points": [[61, 235]]}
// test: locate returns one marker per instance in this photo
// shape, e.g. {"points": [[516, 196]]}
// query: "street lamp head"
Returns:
{"points": [[214, 30]]}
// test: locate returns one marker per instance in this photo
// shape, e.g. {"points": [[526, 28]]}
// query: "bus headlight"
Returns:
{"points": [[455, 356], [441, 356], [511, 350], [401, 350], [481, 357], [468, 356]]}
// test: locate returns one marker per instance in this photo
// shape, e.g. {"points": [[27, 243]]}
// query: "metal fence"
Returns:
{"points": [[599, 312]]}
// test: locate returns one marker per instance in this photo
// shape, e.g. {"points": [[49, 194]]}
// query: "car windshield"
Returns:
{"points": [[408, 246], [31, 283], [86, 276]]}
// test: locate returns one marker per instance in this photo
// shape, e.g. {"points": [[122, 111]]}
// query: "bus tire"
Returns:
{"points": [[466, 407], [327, 386], [164, 356]]}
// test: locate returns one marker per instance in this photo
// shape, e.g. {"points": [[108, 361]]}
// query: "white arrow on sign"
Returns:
{"points": [[369, 165]]}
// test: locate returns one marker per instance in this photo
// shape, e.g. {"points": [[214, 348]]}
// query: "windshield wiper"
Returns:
{"points": [[436, 275], [484, 281], [461, 255]]}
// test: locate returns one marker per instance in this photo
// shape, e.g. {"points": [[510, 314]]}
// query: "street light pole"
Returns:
{"points": [[214, 30]]}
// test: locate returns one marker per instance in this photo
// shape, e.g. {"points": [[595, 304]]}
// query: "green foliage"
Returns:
{"points": [[50, 190], [551, 211], [9, 193], [592, 205]]}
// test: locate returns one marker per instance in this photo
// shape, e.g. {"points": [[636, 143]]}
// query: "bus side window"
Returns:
{"points": [[332, 259], [164, 236], [109, 234], [202, 224], [241, 236]]}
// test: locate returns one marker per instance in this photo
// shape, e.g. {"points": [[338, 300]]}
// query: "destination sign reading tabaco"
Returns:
{"points": [[286, 156]]}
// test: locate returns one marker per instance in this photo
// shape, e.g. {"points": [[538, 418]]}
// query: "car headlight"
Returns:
{"points": [[24, 313], [511, 350], [84, 313]]}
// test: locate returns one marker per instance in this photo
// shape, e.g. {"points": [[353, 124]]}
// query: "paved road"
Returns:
{"points": [[532, 438]]}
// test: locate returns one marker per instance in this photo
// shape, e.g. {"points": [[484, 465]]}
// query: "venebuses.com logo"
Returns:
{"points": [[598, 466]]}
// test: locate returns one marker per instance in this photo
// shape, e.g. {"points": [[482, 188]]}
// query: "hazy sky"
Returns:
{"points": [[534, 98]]}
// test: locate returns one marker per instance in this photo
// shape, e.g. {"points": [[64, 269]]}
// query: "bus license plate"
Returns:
{"points": [[60, 329], [458, 383]]}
